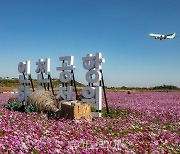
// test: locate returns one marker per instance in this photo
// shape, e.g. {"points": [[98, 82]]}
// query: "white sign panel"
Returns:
{"points": [[43, 68], [24, 90], [93, 95], [66, 76]]}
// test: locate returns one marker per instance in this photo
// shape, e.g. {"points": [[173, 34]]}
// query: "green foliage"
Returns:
{"points": [[123, 113], [13, 106], [9, 83], [17, 106], [15, 83], [34, 151], [30, 108], [156, 88]]}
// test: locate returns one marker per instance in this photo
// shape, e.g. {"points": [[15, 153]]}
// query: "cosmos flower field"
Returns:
{"points": [[140, 122]]}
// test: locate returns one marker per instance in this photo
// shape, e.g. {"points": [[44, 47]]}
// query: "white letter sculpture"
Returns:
{"points": [[43, 66], [24, 89], [93, 95], [66, 76]]}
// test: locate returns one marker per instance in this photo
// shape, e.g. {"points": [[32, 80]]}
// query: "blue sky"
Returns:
{"points": [[35, 29]]}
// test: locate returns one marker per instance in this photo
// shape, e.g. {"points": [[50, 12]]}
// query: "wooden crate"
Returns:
{"points": [[75, 110]]}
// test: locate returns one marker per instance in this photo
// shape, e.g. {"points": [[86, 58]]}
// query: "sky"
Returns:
{"points": [[30, 30]]}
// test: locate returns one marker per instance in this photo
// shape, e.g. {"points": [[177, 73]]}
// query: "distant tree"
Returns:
{"points": [[165, 87], [124, 88]]}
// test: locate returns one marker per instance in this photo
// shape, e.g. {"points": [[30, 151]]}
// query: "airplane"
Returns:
{"points": [[159, 36]]}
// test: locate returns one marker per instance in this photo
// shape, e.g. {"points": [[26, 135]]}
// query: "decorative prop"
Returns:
{"points": [[75, 110], [43, 101], [25, 80], [43, 68], [91, 93], [65, 76]]}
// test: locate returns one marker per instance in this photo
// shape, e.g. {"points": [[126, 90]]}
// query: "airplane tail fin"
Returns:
{"points": [[171, 36]]}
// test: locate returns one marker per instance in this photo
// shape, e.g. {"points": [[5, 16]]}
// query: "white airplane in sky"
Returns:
{"points": [[159, 36]]}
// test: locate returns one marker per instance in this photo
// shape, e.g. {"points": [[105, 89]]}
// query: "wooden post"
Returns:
{"points": [[24, 79], [49, 76], [31, 82], [74, 84], [48, 82], [43, 79], [107, 108]]}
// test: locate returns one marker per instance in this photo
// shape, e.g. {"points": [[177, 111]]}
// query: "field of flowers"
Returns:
{"points": [[139, 123]]}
